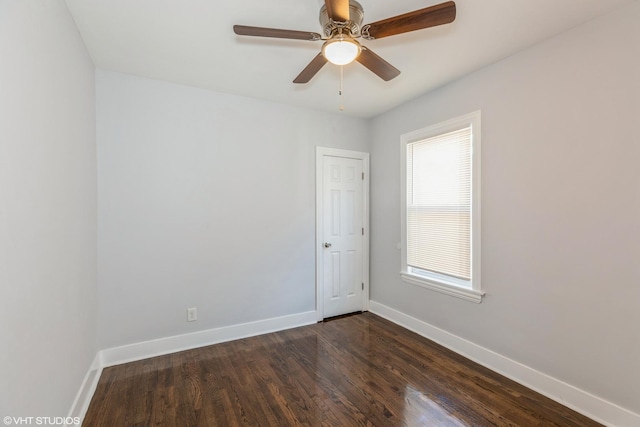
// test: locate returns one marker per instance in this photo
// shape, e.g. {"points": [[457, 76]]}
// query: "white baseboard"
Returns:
{"points": [[88, 387], [579, 400], [158, 347]]}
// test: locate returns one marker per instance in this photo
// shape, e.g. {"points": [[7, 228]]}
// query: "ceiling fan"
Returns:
{"points": [[341, 22]]}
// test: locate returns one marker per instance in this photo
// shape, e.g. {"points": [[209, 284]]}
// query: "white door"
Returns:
{"points": [[342, 235]]}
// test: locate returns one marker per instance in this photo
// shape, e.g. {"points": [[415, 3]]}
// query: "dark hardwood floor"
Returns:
{"points": [[359, 370]]}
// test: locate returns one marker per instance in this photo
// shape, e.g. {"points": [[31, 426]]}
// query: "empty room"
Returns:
{"points": [[320, 212]]}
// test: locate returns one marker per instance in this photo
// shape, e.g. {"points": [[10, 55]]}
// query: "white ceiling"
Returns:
{"points": [[191, 42]]}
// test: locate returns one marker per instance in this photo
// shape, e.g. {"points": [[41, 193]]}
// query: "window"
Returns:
{"points": [[441, 207]]}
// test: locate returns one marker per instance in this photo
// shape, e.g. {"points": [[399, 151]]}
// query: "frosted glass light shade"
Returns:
{"points": [[341, 51]]}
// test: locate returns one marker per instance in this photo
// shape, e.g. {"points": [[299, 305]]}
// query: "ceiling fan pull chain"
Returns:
{"points": [[341, 87]]}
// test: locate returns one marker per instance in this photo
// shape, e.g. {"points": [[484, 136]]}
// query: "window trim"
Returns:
{"points": [[441, 284]]}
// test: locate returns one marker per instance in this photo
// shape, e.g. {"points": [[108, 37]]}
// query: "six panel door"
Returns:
{"points": [[343, 235]]}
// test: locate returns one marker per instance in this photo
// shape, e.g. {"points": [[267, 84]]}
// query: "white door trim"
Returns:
{"points": [[335, 152]]}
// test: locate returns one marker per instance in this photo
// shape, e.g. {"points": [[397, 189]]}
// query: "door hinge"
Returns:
{"points": [[363, 176], [363, 286], [363, 231]]}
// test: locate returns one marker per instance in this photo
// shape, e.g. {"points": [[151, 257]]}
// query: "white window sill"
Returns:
{"points": [[445, 288]]}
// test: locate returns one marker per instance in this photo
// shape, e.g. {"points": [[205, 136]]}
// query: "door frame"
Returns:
{"points": [[321, 152]]}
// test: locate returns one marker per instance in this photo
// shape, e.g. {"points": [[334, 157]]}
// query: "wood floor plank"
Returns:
{"points": [[353, 371]]}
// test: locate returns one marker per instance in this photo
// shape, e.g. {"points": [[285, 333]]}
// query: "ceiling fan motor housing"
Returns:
{"points": [[353, 25]]}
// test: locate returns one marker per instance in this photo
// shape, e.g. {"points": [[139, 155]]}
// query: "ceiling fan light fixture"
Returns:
{"points": [[341, 50]]}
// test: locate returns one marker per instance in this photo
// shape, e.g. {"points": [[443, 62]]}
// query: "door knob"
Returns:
{"points": [[327, 245]]}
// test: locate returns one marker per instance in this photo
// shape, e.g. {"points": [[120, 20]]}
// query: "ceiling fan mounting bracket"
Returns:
{"points": [[364, 32]]}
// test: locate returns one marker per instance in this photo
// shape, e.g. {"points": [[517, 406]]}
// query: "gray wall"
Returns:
{"points": [[205, 200], [560, 207], [47, 209]]}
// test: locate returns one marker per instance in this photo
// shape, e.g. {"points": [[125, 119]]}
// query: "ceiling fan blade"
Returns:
{"points": [[433, 16], [244, 30], [312, 69], [379, 66], [338, 10]]}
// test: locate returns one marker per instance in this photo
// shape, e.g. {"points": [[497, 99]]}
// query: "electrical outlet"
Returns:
{"points": [[192, 314]]}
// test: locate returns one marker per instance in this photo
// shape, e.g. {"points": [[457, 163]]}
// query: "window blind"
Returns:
{"points": [[439, 204]]}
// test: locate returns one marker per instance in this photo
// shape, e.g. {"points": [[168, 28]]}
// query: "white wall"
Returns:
{"points": [[205, 200], [560, 207], [47, 209]]}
